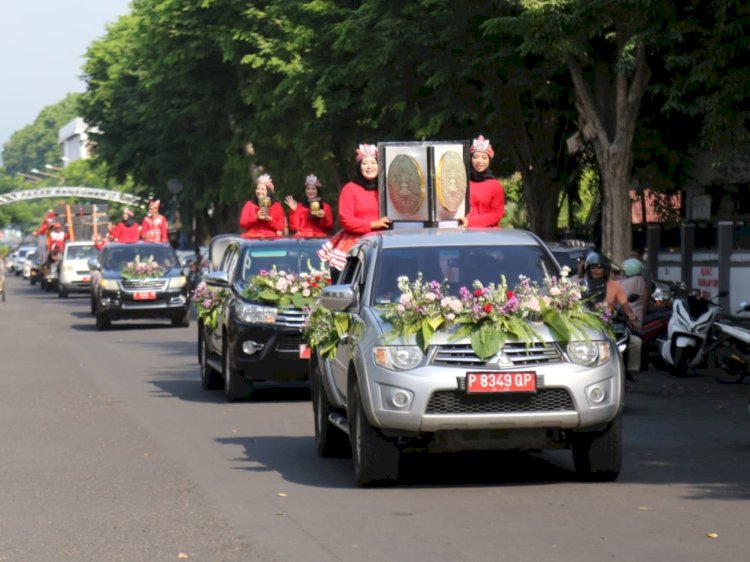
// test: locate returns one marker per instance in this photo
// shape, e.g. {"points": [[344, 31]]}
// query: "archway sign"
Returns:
{"points": [[65, 191]]}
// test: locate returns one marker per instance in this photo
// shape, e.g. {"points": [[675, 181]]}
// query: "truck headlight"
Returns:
{"points": [[398, 357], [177, 282], [588, 353], [255, 314], [110, 285]]}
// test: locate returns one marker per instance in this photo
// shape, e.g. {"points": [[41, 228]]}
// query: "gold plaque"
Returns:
{"points": [[451, 181], [406, 185]]}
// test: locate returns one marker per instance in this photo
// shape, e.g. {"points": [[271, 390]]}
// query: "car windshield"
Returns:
{"points": [[293, 259], [81, 252], [460, 266], [117, 258]]}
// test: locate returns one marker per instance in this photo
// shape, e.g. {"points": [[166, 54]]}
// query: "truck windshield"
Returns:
{"points": [[292, 260], [459, 266]]}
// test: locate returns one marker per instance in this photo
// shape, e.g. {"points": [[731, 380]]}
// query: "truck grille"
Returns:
{"points": [[518, 353], [289, 342], [292, 317], [144, 284], [457, 402]]}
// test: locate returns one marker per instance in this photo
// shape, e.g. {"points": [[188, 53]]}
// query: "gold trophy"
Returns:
{"points": [[316, 210], [264, 203]]}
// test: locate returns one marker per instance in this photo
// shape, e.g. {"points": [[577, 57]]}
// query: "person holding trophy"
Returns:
{"points": [[262, 216], [359, 208], [311, 218], [486, 194]]}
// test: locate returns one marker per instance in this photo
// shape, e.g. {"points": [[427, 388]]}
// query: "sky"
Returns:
{"points": [[42, 48]]}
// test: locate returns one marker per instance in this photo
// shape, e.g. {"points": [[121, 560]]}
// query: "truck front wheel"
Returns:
{"points": [[375, 456]]}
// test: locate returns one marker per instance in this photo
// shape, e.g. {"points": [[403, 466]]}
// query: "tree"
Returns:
{"points": [[37, 144], [605, 46]]}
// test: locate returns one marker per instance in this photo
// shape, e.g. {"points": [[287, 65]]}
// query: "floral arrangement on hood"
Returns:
{"points": [[142, 269], [208, 302], [487, 315], [286, 289]]}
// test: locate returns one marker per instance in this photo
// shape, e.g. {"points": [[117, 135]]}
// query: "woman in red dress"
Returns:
{"points": [[486, 195], [311, 218], [262, 216], [359, 208], [127, 230]]}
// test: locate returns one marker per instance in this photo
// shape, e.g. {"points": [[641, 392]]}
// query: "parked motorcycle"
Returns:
{"points": [[687, 332], [728, 348]]}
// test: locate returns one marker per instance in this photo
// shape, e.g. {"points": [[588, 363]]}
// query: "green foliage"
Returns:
{"points": [[36, 145]]}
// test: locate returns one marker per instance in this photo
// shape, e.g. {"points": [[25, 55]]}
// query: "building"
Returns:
{"points": [[74, 140]]}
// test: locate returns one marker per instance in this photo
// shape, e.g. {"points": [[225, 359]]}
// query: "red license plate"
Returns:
{"points": [[304, 351], [522, 381], [86, 279], [144, 296]]}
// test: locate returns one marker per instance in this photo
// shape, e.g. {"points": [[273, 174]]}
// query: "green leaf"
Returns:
{"points": [[486, 340], [426, 333], [341, 321], [268, 296]]}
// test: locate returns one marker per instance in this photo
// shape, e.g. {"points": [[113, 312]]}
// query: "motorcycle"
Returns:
{"points": [[687, 333], [729, 348]]}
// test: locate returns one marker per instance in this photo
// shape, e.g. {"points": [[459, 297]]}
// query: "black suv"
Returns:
{"points": [[253, 342], [140, 280]]}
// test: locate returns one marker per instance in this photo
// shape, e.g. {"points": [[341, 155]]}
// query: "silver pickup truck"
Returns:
{"points": [[383, 397]]}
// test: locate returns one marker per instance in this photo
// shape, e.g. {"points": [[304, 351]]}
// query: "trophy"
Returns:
{"points": [[316, 210], [424, 183], [264, 203]]}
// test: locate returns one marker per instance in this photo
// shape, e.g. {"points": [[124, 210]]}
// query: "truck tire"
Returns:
{"points": [[235, 387], [597, 455], [375, 457], [210, 379], [330, 441], [103, 321]]}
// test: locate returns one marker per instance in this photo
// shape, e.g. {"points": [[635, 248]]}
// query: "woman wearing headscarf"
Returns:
{"points": [[262, 216], [359, 208], [127, 230], [486, 195], [310, 218]]}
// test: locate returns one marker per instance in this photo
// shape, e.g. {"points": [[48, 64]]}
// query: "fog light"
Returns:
{"points": [[597, 394], [395, 398], [400, 399], [250, 347]]}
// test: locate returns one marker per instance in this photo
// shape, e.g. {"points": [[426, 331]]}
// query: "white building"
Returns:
{"points": [[74, 139]]}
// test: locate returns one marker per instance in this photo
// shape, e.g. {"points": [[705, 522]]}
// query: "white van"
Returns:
{"points": [[75, 276]]}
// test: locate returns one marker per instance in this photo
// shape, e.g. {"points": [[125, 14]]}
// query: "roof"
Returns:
{"points": [[419, 237]]}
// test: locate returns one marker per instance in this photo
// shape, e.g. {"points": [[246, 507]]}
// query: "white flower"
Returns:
{"points": [[430, 296], [555, 291], [294, 289], [282, 285], [305, 292], [532, 304], [405, 298]]}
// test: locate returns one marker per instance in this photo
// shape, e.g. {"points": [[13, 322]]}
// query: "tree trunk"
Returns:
{"points": [[613, 138]]}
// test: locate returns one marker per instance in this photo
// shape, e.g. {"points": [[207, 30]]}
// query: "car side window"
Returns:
{"points": [[229, 262]]}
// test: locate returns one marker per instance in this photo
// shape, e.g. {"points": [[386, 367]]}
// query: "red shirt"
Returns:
{"points": [[305, 225], [486, 203], [358, 208], [125, 233], [257, 228], [154, 228]]}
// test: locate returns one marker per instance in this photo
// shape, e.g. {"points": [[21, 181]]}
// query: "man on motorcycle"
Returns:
{"points": [[606, 292]]}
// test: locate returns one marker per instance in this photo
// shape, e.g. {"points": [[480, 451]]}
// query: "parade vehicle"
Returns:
{"points": [[385, 388], [74, 273], [138, 281], [250, 336]]}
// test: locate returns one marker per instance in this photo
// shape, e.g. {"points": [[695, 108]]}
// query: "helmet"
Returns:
{"points": [[595, 258], [632, 266]]}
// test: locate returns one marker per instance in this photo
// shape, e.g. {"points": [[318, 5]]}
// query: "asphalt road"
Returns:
{"points": [[111, 451]]}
